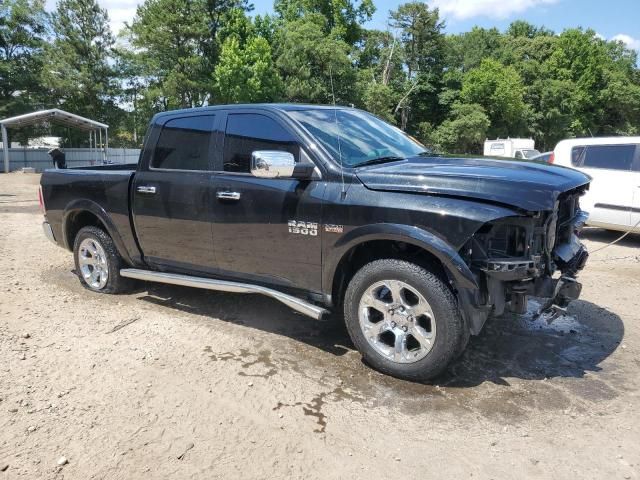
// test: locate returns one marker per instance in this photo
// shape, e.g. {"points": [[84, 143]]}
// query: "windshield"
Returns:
{"points": [[530, 153], [357, 137]]}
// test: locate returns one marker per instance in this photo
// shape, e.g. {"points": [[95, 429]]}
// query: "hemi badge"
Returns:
{"points": [[333, 228]]}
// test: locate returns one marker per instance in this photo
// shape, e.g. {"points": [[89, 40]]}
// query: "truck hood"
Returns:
{"points": [[524, 185]]}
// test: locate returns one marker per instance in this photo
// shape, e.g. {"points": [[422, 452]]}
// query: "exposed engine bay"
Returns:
{"points": [[536, 254]]}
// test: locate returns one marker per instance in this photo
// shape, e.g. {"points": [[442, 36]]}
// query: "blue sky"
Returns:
{"points": [[618, 17], [611, 19]]}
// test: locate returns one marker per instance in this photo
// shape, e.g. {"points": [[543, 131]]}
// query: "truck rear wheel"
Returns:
{"points": [[97, 261], [403, 319]]}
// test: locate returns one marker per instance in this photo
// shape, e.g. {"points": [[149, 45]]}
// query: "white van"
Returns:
{"points": [[521, 148], [613, 200]]}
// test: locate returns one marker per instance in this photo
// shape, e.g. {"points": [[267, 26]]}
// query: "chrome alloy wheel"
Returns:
{"points": [[93, 263], [397, 321]]}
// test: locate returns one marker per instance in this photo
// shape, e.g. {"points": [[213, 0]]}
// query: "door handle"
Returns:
{"points": [[228, 195], [146, 189]]}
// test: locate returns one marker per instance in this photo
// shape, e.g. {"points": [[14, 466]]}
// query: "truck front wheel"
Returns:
{"points": [[97, 261], [403, 319]]}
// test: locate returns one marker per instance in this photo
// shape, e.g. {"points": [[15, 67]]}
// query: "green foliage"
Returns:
{"points": [[247, 74], [467, 50], [343, 18], [237, 25], [422, 44], [499, 90], [267, 27], [311, 62], [421, 35], [379, 99], [520, 28], [380, 74], [603, 100], [23, 26], [178, 44], [77, 73], [463, 132]]}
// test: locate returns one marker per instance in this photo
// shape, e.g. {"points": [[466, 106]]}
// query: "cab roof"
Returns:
{"points": [[284, 107]]}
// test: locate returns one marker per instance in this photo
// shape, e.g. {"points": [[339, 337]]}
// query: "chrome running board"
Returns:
{"points": [[295, 303]]}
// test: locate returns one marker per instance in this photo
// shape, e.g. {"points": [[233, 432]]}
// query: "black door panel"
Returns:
{"points": [[174, 223], [172, 200], [251, 231], [252, 237]]}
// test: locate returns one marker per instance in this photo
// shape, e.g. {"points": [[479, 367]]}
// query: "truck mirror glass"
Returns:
{"points": [[272, 164]]}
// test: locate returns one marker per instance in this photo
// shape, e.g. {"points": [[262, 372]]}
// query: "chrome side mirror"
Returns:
{"points": [[272, 164]]}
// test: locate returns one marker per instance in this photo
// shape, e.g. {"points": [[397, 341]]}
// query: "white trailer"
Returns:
{"points": [[521, 148]]}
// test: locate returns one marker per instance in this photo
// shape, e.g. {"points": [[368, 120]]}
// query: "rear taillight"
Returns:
{"points": [[552, 157], [40, 200]]}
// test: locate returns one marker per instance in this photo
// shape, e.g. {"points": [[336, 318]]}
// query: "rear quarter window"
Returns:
{"points": [[184, 144], [611, 157]]}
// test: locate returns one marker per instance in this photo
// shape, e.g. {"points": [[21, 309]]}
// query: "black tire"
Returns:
{"points": [[451, 333], [115, 283]]}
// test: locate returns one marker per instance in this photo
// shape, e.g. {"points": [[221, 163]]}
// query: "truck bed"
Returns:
{"points": [[97, 189], [108, 166]]}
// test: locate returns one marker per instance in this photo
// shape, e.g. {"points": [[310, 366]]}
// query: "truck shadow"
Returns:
{"points": [[253, 311], [509, 346], [529, 348]]}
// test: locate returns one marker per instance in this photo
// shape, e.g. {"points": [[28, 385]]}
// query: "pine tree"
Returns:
{"points": [[23, 24], [78, 73], [179, 43]]}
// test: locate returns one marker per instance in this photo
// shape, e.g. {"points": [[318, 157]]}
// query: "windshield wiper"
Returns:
{"points": [[375, 161]]}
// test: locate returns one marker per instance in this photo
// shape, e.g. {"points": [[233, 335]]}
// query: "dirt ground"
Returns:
{"points": [[172, 382]]}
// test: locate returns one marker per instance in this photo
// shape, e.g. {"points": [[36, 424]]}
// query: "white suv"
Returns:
{"points": [[613, 200]]}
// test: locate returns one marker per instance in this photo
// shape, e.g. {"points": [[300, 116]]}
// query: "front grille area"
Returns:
{"points": [[525, 246], [507, 241], [515, 257], [508, 238]]}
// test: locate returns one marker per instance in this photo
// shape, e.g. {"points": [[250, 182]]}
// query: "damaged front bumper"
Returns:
{"points": [[567, 288], [515, 260], [510, 282]]}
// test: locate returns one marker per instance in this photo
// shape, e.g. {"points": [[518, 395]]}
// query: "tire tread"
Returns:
{"points": [[116, 283], [451, 333]]}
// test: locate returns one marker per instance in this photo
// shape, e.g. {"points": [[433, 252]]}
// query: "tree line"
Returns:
{"points": [[451, 91]]}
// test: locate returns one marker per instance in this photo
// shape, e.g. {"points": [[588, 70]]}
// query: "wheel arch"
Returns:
{"points": [[377, 239], [82, 213]]}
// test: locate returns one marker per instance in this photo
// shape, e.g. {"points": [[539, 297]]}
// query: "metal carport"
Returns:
{"points": [[57, 116]]}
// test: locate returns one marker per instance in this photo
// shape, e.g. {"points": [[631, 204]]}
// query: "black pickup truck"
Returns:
{"points": [[327, 209]]}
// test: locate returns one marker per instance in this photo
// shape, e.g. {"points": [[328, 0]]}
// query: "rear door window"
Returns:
{"points": [[611, 157], [184, 144], [248, 132]]}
